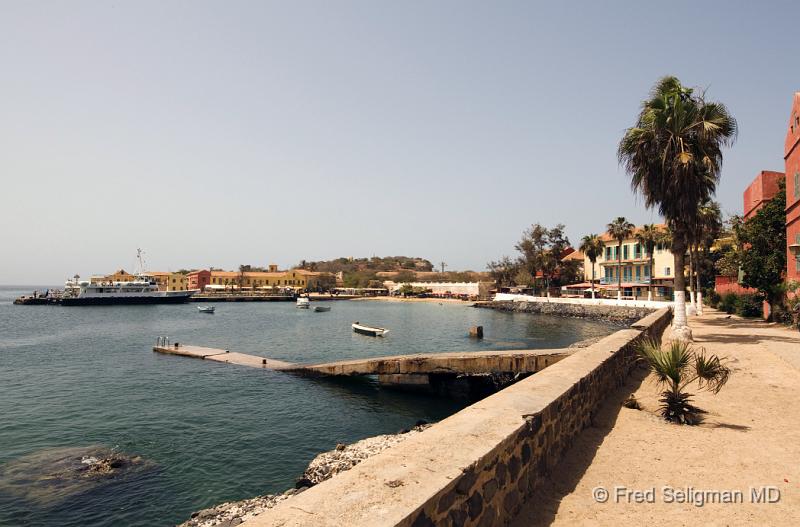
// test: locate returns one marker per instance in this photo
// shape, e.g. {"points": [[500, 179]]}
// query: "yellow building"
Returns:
{"points": [[168, 281], [634, 269], [293, 278], [119, 276]]}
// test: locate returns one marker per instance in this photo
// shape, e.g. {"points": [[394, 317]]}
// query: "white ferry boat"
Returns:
{"points": [[142, 290]]}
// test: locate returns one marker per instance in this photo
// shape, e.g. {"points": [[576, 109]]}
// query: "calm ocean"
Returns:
{"points": [[82, 376]]}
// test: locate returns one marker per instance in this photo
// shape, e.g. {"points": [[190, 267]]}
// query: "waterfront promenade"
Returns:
{"points": [[750, 438]]}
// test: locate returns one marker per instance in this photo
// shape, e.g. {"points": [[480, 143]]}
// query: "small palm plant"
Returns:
{"points": [[675, 368]]}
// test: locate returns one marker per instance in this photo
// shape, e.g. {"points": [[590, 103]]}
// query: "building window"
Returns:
{"points": [[796, 185], [797, 256], [667, 271], [624, 252]]}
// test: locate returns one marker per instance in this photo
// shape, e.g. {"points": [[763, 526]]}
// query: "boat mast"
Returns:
{"points": [[140, 259]]}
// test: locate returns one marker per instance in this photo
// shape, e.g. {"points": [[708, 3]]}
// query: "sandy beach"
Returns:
{"points": [[414, 299], [750, 439]]}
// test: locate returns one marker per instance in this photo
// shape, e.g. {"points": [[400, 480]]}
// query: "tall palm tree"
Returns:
{"points": [[648, 237], [592, 247], [705, 230], [620, 229], [673, 155]]}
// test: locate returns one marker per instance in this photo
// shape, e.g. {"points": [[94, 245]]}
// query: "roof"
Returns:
{"points": [[574, 255]]}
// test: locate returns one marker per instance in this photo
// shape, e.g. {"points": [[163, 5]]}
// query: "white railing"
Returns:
{"points": [[656, 304]]}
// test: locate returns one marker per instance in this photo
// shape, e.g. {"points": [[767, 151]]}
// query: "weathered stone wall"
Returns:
{"points": [[616, 314], [492, 490], [478, 466]]}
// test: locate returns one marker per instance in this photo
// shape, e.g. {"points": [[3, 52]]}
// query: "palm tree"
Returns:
{"points": [[592, 247], [676, 368], [648, 237], [705, 230], [674, 157], [620, 229]]}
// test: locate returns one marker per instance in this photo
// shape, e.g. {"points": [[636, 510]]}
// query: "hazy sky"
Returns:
{"points": [[220, 133]]}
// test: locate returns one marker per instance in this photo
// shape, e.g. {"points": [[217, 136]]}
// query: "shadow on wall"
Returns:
{"points": [[541, 509]]}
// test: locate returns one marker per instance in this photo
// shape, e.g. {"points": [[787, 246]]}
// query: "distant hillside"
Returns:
{"points": [[363, 272], [374, 264]]}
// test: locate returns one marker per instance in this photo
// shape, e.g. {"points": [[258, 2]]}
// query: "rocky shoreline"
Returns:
{"points": [[321, 468], [619, 315]]}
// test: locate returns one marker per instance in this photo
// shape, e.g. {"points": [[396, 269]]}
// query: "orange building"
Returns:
{"points": [[791, 158], [762, 189]]}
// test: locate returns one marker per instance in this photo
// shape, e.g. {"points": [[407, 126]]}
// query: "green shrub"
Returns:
{"points": [[727, 303], [711, 298], [749, 306]]}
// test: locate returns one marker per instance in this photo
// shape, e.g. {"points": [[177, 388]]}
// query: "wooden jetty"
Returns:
{"points": [[463, 363]]}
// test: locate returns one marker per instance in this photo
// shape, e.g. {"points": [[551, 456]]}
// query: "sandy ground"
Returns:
{"points": [[751, 438], [427, 300]]}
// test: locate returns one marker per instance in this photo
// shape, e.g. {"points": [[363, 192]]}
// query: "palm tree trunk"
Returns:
{"points": [[619, 272], [650, 283], [680, 327], [699, 294], [691, 277], [592, 280]]}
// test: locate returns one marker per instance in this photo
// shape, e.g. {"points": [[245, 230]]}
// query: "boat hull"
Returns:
{"points": [[370, 332], [125, 300]]}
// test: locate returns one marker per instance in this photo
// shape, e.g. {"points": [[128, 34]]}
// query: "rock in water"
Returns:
{"points": [[53, 475]]}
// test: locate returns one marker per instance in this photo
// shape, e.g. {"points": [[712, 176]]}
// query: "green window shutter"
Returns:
{"points": [[797, 185], [797, 256]]}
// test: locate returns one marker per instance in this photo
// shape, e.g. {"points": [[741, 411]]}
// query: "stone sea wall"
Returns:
{"points": [[622, 315], [495, 487], [321, 468], [478, 466]]}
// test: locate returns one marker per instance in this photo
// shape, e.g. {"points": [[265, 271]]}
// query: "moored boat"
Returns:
{"points": [[206, 309], [303, 302], [321, 309], [371, 331], [143, 289]]}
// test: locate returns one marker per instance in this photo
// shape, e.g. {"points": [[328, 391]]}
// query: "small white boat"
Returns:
{"points": [[206, 309], [303, 302], [369, 330], [321, 309]]}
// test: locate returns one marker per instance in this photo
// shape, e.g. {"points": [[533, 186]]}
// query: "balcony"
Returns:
{"points": [[613, 281]]}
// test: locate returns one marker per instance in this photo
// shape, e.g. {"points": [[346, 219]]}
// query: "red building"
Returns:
{"points": [[762, 189], [198, 279], [792, 158]]}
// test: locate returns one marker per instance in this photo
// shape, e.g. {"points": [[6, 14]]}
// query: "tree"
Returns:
{"points": [[541, 250], [242, 270], [731, 247], [620, 229], [503, 271], [648, 237], [704, 231], [673, 154], [552, 266], [592, 246], [764, 257], [676, 368], [532, 246]]}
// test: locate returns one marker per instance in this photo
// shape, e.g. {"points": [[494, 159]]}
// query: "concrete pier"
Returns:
{"points": [[392, 367], [221, 355]]}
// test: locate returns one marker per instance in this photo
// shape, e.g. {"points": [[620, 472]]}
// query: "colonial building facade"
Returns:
{"points": [[634, 269]]}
